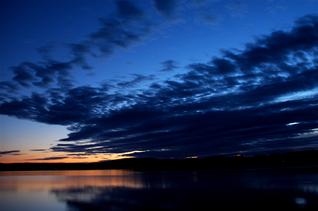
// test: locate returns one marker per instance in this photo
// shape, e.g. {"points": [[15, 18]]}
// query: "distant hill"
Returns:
{"points": [[302, 159]]}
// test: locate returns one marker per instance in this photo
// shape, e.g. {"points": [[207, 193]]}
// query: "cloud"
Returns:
{"points": [[276, 46], [7, 89], [22, 75], [38, 150], [117, 33], [126, 26], [137, 78], [46, 50], [242, 101], [165, 7], [168, 65], [51, 158], [42, 75], [128, 9], [9, 152]]}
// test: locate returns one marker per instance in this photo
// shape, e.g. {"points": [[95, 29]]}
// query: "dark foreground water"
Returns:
{"points": [[130, 190]]}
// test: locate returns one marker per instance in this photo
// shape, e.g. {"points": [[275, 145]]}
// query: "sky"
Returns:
{"points": [[94, 80]]}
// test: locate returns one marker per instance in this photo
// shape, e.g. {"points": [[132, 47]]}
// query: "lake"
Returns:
{"points": [[158, 190]]}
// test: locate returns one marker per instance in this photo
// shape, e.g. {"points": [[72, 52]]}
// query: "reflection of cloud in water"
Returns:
{"points": [[159, 190], [198, 191], [310, 188]]}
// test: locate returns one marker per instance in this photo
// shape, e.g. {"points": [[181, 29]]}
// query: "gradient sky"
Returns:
{"points": [[88, 80]]}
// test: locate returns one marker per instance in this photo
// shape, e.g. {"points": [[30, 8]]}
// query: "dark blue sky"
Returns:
{"points": [[161, 78]]}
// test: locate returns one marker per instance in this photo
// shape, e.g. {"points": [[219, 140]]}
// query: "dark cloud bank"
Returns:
{"points": [[10, 152], [250, 100]]}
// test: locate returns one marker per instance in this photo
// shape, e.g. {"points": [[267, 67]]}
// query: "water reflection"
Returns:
{"points": [[48, 180], [129, 190]]}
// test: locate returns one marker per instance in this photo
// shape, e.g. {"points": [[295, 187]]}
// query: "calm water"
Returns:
{"points": [[129, 190]]}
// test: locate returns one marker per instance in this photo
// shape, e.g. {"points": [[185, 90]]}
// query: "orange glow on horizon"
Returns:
{"points": [[37, 157]]}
